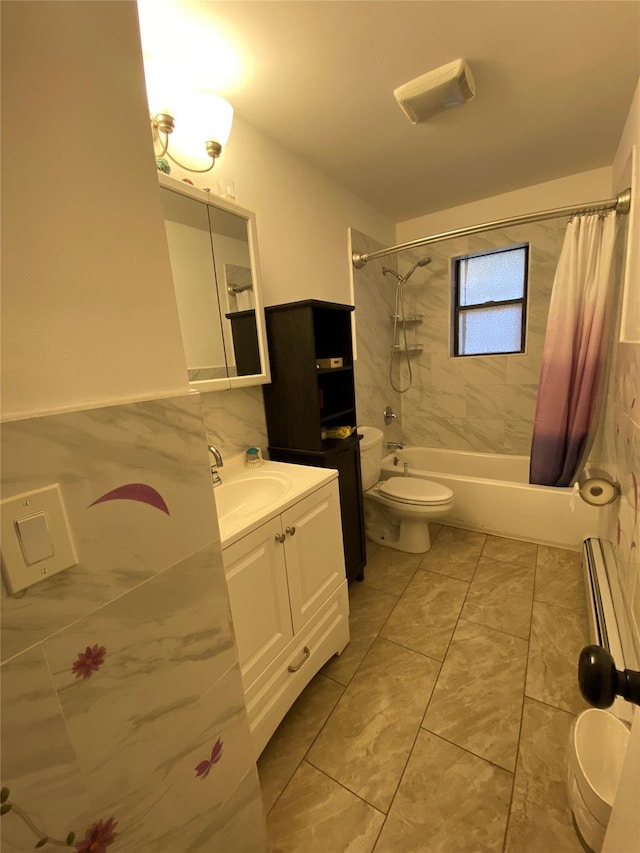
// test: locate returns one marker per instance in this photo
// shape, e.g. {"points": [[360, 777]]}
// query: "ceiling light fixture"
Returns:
{"points": [[208, 120]]}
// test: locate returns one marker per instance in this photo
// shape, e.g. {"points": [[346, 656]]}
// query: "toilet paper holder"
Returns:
{"points": [[597, 487]]}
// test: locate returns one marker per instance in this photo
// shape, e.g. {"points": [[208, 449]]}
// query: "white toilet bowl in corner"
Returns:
{"points": [[398, 510], [411, 504]]}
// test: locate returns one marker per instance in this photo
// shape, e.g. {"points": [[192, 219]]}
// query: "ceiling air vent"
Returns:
{"points": [[449, 86]]}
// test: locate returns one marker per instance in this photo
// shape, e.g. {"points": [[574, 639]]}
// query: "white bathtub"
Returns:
{"points": [[491, 493]]}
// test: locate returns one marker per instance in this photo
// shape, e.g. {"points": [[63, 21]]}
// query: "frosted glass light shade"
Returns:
{"points": [[199, 119], [216, 116]]}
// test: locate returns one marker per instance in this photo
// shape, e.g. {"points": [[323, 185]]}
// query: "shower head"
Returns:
{"points": [[422, 263], [403, 279]]}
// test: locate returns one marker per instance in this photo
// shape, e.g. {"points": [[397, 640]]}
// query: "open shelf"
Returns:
{"points": [[302, 399]]}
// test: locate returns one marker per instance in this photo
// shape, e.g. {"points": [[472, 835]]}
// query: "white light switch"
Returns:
{"points": [[36, 541]]}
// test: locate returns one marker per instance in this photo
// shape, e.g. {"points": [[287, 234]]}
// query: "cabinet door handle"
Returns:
{"points": [[291, 531], [305, 656], [280, 537]]}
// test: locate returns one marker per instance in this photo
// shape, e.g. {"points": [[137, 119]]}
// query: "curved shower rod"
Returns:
{"points": [[621, 204]]}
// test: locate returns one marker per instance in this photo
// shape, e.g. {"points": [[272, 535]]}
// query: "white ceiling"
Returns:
{"points": [[554, 81]]}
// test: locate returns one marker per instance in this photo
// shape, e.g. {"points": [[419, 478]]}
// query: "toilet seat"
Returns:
{"points": [[414, 490]]}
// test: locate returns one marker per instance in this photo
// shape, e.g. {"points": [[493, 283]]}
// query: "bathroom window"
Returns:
{"points": [[490, 301]]}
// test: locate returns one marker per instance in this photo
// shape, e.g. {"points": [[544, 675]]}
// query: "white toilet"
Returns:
{"points": [[398, 510]]}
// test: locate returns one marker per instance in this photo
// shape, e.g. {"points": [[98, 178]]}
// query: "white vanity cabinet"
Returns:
{"points": [[289, 603]]}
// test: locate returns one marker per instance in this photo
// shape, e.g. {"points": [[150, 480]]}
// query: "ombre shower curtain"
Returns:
{"points": [[574, 350]]}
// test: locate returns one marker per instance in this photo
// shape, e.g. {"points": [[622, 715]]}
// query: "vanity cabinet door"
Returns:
{"points": [[314, 553], [257, 582]]}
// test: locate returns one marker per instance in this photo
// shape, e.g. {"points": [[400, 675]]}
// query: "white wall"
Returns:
{"points": [[572, 189], [88, 307], [302, 217]]}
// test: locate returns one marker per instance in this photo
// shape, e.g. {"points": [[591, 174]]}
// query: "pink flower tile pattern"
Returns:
{"points": [[204, 768], [89, 661], [98, 837]]}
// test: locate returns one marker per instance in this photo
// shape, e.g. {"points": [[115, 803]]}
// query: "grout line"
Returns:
{"points": [[297, 766], [331, 678], [469, 751], [412, 650], [492, 628], [555, 707], [346, 787], [404, 769], [524, 696]]}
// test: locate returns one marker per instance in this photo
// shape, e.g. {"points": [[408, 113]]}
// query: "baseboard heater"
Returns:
{"points": [[607, 625]]}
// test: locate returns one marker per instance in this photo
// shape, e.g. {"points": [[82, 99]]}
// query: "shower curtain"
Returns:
{"points": [[574, 349]]}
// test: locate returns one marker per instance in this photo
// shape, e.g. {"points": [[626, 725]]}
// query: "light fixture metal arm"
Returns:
{"points": [[188, 168], [162, 125]]}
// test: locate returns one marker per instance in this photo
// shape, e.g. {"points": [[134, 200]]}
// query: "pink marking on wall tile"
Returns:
{"points": [[135, 492]]}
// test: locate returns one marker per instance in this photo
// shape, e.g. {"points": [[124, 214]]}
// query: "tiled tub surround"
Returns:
{"points": [[374, 298], [443, 725], [121, 693], [482, 403]]}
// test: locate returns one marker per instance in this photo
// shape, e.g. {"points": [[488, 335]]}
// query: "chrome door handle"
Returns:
{"points": [[291, 531], [280, 537], [305, 656]]}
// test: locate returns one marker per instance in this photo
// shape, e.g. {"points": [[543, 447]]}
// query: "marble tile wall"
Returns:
{"points": [[235, 420], [617, 451], [483, 403], [123, 714], [374, 300]]}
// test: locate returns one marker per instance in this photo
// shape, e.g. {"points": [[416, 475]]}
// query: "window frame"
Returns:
{"points": [[492, 303]]}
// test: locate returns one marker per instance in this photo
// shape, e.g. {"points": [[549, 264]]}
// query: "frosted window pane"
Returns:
{"points": [[490, 330], [494, 277]]}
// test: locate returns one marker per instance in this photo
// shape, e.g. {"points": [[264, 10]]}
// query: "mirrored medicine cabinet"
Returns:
{"points": [[214, 262]]}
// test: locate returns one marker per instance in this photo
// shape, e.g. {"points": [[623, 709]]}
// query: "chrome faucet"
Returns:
{"points": [[395, 445], [217, 458]]}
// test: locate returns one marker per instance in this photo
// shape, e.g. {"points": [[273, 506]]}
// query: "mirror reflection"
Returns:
{"points": [[232, 261], [188, 235], [215, 284]]}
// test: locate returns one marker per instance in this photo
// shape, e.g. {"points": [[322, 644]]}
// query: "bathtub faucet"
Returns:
{"points": [[395, 445]]}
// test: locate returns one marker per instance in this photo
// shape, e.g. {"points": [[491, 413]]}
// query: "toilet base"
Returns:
{"points": [[408, 535], [412, 541], [405, 528]]}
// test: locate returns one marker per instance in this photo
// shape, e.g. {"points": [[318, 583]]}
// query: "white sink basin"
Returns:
{"points": [[249, 497], [246, 496]]}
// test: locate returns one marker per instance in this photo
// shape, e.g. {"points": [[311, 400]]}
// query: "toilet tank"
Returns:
{"points": [[370, 455]]}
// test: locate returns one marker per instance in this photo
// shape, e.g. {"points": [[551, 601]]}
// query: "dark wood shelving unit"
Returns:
{"points": [[302, 399]]}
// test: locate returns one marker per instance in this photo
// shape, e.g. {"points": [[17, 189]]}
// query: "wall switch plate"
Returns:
{"points": [[36, 540]]}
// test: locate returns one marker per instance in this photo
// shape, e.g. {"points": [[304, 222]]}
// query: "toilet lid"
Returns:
{"points": [[415, 490]]}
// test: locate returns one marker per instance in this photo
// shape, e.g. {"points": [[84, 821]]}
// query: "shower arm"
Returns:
{"points": [[621, 204]]}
